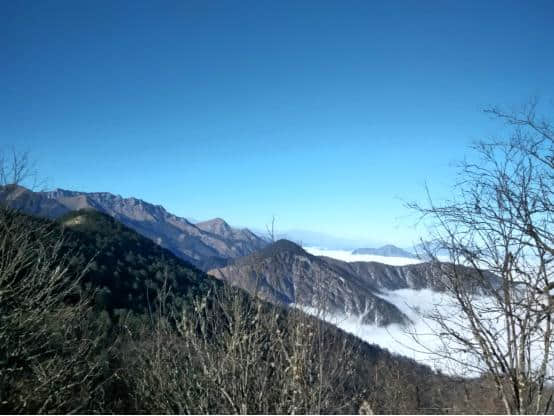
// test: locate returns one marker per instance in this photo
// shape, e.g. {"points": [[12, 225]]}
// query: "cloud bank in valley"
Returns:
{"points": [[420, 340], [415, 341]]}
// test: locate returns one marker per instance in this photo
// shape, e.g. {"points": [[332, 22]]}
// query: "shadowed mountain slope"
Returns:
{"points": [[127, 268], [388, 277]]}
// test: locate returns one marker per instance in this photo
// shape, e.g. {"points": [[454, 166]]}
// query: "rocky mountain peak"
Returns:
{"points": [[216, 226], [283, 246]]}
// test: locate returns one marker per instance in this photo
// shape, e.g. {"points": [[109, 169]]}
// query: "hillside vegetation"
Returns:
{"points": [[96, 318]]}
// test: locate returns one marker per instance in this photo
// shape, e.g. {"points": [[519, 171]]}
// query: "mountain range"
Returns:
{"points": [[206, 244], [128, 327], [284, 273]]}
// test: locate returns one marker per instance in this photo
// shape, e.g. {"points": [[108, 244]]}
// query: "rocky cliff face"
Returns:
{"points": [[206, 245]]}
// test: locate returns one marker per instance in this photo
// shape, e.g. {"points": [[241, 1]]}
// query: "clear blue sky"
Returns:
{"points": [[326, 114]]}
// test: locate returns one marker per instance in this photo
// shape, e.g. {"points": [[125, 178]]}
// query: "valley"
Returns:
{"points": [[373, 296]]}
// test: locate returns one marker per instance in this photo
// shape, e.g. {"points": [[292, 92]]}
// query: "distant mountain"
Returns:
{"points": [[388, 251], [284, 273], [207, 244], [432, 247], [31, 203], [308, 238], [387, 277]]}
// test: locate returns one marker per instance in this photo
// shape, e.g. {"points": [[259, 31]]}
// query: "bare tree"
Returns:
{"points": [[271, 229], [49, 346], [232, 353], [16, 168], [500, 223]]}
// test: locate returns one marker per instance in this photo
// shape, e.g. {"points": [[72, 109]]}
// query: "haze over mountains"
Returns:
{"points": [[319, 239], [348, 256], [307, 238]]}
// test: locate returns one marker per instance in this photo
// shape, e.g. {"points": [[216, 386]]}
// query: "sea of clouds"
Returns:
{"points": [[417, 340], [420, 340], [347, 256]]}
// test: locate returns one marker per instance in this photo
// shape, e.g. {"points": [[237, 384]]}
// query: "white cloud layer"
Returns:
{"points": [[420, 341], [396, 338], [347, 256]]}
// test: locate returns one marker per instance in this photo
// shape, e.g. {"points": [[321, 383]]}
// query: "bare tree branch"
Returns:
{"points": [[500, 223]]}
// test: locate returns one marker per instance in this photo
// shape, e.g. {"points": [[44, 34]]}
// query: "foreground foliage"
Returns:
{"points": [[500, 219], [95, 318]]}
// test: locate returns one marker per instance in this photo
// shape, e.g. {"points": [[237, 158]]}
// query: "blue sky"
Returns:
{"points": [[325, 114]]}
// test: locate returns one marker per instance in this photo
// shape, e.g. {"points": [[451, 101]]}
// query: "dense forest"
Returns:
{"points": [[96, 318]]}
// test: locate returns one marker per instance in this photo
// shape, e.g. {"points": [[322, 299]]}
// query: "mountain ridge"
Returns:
{"points": [[211, 244], [284, 273]]}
